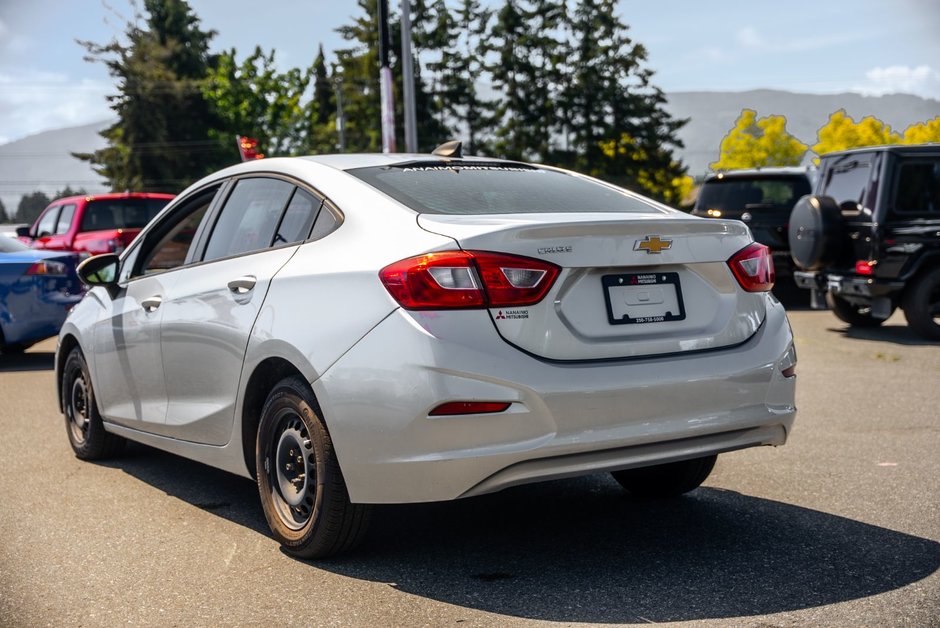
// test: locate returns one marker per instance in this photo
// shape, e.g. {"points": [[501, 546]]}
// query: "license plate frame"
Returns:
{"points": [[635, 283]]}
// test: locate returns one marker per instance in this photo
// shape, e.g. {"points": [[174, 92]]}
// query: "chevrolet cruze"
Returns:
{"points": [[361, 329]]}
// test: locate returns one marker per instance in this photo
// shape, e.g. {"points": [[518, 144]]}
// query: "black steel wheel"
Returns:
{"points": [[922, 305], [666, 480], [83, 424], [302, 489]]}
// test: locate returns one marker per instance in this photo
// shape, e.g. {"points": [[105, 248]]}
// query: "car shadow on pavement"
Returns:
{"points": [[33, 361], [581, 551], [897, 334], [230, 496]]}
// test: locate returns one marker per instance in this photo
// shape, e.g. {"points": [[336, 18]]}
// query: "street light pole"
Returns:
{"points": [[408, 79], [340, 118], [385, 82]]}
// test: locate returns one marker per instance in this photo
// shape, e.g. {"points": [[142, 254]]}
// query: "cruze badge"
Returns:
{"points": [[652, 244]]}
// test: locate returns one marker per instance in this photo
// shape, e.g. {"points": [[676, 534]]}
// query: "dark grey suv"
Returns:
{"points": [[762, 198], [868, 239]]}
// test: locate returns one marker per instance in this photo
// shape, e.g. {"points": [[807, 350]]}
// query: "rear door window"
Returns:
{"points": [[917, 192], [249, 218], [298, 219]]}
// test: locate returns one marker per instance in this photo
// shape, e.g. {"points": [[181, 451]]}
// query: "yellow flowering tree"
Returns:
{"points": [[842, 132], [759, 142], [923, 132]]}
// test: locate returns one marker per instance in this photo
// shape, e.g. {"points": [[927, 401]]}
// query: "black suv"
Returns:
{"points": [[763, 199], [869, 237]]}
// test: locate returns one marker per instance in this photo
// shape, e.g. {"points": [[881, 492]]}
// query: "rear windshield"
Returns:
{"points": [[480, 188], [740, 194], [121, 213]]}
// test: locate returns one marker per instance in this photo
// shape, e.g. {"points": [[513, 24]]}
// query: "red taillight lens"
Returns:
{"points": [[864, 268], [753, 267], [468, 279], [49, 268], [469, 407]]}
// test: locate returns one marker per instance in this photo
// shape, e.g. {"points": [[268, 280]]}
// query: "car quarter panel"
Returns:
{"points": [[377, 397]]}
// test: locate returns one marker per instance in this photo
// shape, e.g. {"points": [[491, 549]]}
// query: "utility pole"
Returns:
{"points": [[340, 118], [408, 79], [385, 82]]}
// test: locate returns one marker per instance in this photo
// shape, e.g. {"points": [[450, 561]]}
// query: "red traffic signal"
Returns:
{"points": [[248, 148]]}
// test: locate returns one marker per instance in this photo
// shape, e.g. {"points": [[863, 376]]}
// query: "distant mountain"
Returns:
{"points": [[44, 162], [712, 114]]}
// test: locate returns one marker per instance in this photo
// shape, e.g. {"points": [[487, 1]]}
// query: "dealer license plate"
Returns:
{"points": [[643, 298]]}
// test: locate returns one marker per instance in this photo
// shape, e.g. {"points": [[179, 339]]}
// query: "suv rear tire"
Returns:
{"points": [[850, 313], [922, 305], [666, 480]]}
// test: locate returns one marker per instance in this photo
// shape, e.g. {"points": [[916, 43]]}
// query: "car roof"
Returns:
{"points": [[111, 196], [907, 149], [349, 161], [750, 173]]}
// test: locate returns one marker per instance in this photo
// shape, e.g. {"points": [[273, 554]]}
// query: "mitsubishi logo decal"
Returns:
{"points": [[653, 244]]}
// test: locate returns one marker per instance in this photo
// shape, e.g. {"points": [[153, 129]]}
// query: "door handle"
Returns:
{"points": [[242, 285], [151, 304]]}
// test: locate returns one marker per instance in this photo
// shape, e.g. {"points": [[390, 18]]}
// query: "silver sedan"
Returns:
{"points": [[361, 329]]}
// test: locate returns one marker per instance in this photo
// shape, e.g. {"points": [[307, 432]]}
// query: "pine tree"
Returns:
{"points": [[163, 139], [31, 205], [3, 213], [620, 127]]}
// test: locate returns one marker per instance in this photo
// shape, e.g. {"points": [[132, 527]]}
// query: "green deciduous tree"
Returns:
{"points": [[254, 98], [166, 133], [759, 142], [841, 132]]}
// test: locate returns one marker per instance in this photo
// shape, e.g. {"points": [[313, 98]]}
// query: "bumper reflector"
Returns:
{"points": [[469, 407]]}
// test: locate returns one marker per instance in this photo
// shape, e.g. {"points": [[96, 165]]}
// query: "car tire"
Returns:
{"points": [[303, 493], [816, 232], [666, 480], [921, 305], [83, 424], [854, 315]]}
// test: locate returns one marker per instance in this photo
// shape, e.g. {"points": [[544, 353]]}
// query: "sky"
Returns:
{"points": [[867, 46]]}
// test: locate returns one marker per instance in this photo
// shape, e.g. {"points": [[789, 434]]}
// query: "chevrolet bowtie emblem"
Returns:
{"points": [[652, 244]]}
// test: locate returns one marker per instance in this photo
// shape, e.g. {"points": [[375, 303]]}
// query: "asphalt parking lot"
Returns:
{"points": [[839, 527]]}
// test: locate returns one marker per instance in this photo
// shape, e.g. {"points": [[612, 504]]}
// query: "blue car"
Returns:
{"points": [[37, 290]]}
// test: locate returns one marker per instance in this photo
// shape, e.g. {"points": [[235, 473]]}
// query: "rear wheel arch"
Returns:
{"points": [[262, 381]]}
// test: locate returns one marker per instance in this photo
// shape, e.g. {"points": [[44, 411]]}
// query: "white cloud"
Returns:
{"points": [[33, 101], [922, 81]]}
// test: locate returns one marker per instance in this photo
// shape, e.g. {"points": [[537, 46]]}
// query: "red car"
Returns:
{"points": [[100, 223]]}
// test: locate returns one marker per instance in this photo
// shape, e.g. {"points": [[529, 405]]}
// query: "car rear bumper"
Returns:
{"points": [[851, 286], [564, 419]]}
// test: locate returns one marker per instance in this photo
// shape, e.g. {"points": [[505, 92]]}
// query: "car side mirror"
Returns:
{"points": [[101, 270], [22, 232]]}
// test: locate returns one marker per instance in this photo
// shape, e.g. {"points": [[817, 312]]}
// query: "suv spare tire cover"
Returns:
{"points": [[816, 232]]}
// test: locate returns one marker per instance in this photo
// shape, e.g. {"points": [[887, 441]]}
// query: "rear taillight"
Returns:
{"points": [[863, 267], [48, 268], [753, 267], [467, 279]]}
